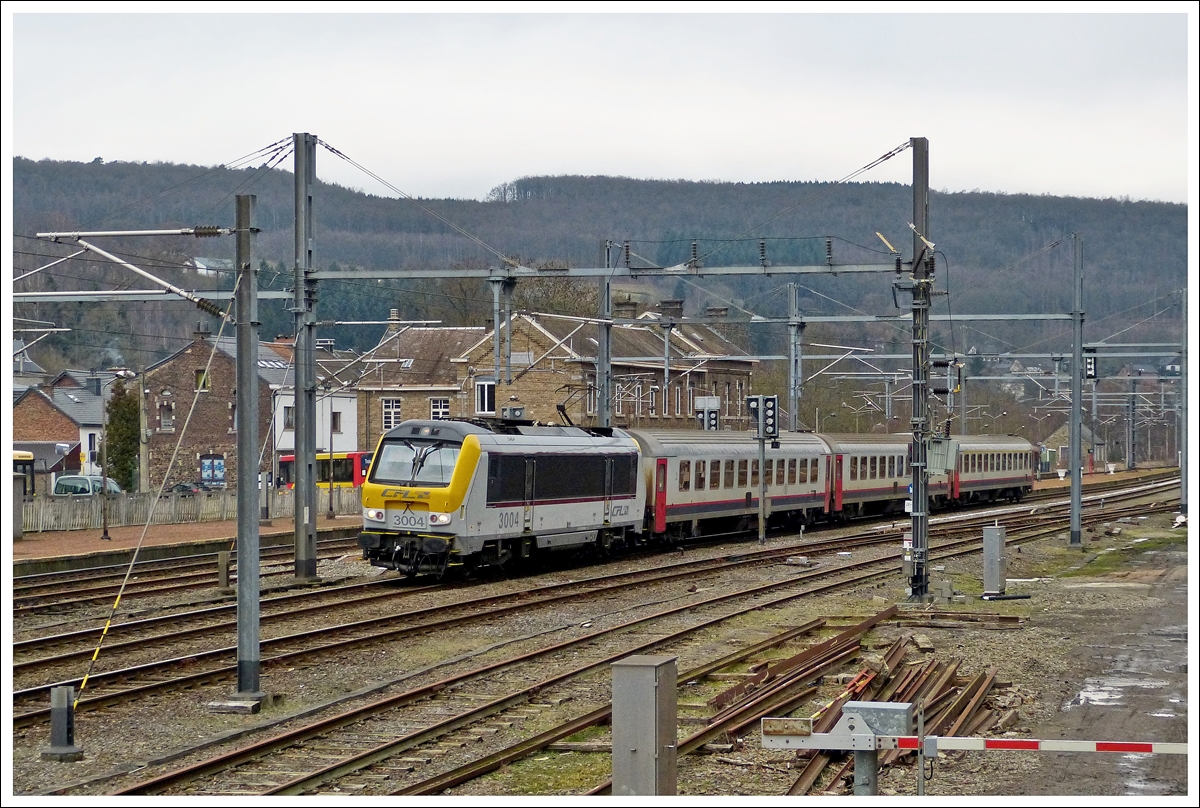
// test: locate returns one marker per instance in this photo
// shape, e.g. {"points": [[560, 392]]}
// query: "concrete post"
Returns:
{"points": [[644, 726], [62, 727]]}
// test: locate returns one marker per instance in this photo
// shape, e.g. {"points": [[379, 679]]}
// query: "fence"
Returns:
{"points": [[45, 513]]}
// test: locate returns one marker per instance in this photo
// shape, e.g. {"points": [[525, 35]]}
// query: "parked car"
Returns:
{"points": [[83, 485], [188, 489]]}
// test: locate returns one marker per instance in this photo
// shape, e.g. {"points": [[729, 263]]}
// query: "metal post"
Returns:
{"points": [[1076, 441], [305, 490], [104, 464], [796, 360], [604, 348], [496, 284], [919, 579], [506, 290], [247, 448], [329, 396], [666, 366], [1181, 431]]}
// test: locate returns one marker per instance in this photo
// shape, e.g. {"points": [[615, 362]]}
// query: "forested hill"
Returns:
{"points": [[1135, 253]]}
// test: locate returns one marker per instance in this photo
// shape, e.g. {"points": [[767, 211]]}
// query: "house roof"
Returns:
{"points": [[78, 404], [416, 357]]}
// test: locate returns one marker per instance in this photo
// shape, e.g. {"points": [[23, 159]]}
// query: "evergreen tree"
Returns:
{"points": [[122, 435]]}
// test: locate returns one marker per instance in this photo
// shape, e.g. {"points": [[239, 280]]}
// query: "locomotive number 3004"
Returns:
{"points": [[408, 520], [509, 519]]}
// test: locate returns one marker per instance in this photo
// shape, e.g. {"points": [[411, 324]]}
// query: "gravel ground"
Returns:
{"points": [[1081, 635]]}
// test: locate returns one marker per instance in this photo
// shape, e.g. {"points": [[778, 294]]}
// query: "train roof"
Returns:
{"points": [[491, 430], [666, 442]]}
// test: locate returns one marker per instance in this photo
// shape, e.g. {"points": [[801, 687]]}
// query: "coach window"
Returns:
{"points": [[742, 467], [753, 473], [873, 464], [685, 475], [779, 472], [768, 471], [854, 468], [892, 466], [729, 473], [792, 471], [714, 474], [699, 475]]}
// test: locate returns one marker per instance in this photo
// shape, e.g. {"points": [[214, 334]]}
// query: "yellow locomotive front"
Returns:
{"points": [[413, 497]]}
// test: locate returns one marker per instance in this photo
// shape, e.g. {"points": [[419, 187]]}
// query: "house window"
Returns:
{"points": [[391, 412], [439, 408], [591, 397], [232, 417], [336, 425], [485, 397], [678, 401], [166, 416], [741, 398], [637, 399], [654, 401], [202, 381], [289, 417]]}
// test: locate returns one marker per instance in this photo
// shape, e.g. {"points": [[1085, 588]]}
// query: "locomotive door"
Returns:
{"points": [[530, 467], [608, 477], [660, 495]]}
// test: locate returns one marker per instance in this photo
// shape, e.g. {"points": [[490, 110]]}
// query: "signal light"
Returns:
{"points": [[770, 418], [712, 420]]}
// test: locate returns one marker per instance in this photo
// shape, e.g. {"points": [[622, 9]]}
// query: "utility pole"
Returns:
{"points": [[795, 358], [104, 463], [918, 584], [305, 490], [246, 421]]}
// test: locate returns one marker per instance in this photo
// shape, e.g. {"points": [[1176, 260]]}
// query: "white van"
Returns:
{"points": [[83, 485]]}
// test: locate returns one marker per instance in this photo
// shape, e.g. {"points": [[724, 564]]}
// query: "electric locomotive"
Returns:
{"points": [[457, 494]]}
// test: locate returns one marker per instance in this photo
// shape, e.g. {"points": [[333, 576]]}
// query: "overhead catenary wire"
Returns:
{"points": [[153, 505]]}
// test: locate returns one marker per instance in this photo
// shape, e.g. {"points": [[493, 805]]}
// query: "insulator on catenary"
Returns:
{"points": [[626, 249], [762, 251], [829, 251], [695, 253], [206, 231], [929, 265]]}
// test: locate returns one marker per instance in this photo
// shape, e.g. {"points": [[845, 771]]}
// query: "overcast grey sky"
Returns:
{"points": [[446, 104]]}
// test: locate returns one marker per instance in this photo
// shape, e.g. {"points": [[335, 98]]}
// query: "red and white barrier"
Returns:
{"points": [[948, 743]]}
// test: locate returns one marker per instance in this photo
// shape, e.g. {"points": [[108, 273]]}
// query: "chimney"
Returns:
{"points": [[202, 331], [93, 384], [720, 312], [671, 309], [393, 321], [624, 309]]}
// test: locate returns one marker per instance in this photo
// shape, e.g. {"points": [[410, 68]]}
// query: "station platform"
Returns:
{"points": [[76, 549]]}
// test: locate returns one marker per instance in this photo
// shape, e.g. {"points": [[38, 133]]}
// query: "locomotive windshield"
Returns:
{"points": [[416, 462]]}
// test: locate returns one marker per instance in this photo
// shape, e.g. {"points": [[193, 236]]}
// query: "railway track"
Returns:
{"points": [[37, 659], [487, 711]]}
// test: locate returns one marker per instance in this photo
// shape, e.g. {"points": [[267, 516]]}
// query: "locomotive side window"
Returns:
{"points": [[506, 478], [791, 472], [741, 480], [699, 475], [729, 473], [624, 475], [685, 475], [714, 474]]}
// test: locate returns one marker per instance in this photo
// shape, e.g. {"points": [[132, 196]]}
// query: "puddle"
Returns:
{"points": [[1109, 691]]}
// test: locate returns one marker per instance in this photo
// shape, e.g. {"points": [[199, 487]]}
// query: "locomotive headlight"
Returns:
{"points": [[373, 514], [439, 518]]}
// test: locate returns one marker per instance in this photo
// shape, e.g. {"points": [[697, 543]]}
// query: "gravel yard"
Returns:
{"points": [[1101, 655]]}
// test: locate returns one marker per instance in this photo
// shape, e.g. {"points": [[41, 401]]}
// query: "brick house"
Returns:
{"points": [[410, 374], [70, 409], [209, 449], [450, 372]]}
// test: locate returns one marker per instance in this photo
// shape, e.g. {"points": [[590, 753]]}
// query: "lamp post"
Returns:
{"points": [[328, 385]]}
